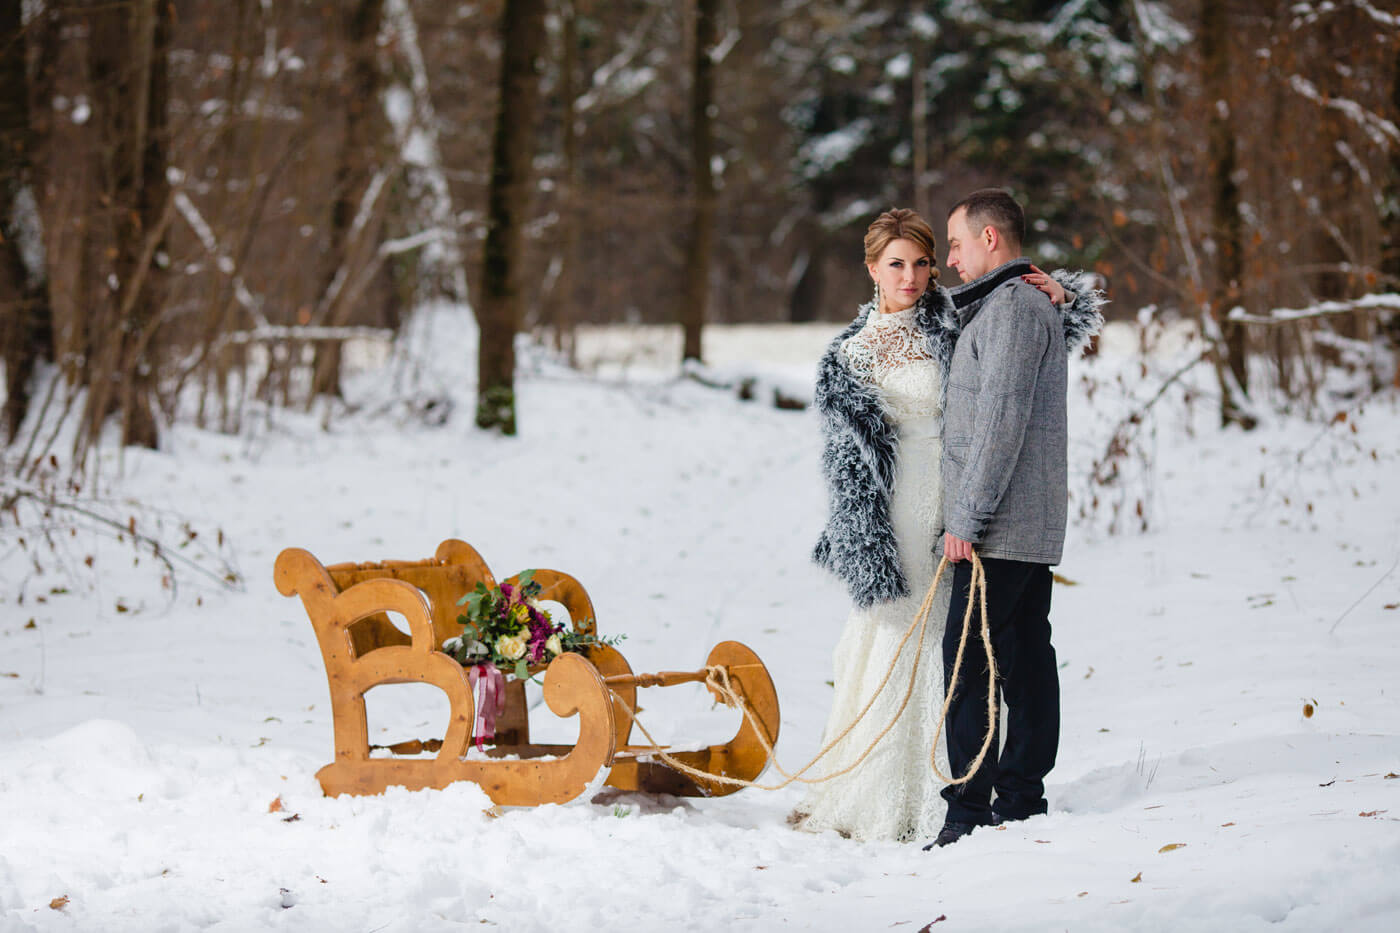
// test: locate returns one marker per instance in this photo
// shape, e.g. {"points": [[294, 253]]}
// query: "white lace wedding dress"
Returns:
{"points": [[894, 793]]}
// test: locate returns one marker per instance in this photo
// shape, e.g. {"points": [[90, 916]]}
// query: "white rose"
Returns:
{"points": [[554, 645], [511, 647]]}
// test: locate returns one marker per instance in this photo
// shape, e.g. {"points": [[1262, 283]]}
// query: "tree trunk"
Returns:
{"points": [[127, 50], [1226, 226], [919, 128], [563, 310], [25, 321], [1390, 253], [702, 182], [349, 248], [500, 310]]}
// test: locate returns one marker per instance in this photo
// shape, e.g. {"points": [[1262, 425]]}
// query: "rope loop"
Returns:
{"points": [[717, 679]]}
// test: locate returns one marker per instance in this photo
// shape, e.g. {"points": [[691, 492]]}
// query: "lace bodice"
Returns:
{"points": [[891, 352]]}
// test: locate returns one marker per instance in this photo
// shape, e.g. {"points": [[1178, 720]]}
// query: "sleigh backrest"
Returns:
{"points": [[445, 578]]}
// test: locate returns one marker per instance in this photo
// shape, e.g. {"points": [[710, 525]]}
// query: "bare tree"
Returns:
{"points": [[25, 326], [357, 202], [1226, 225], [127, 215], [499, 308], [702, 180], [561, 311]]}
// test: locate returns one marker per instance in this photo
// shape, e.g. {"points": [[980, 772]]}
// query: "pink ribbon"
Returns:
{"points": [[489, 689]]}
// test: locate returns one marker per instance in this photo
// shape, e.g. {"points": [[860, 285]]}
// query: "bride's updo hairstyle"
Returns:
{"points": [[900, 224]]}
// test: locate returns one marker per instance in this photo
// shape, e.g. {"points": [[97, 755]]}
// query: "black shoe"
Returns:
{"points": [[951, 832], [1001, 819]]}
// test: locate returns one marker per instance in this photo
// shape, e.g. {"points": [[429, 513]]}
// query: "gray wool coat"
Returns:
{"points": [[860, 444], [1005, 429]]}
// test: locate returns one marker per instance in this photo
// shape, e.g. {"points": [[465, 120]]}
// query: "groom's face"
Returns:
{"points": [[969, 251]]}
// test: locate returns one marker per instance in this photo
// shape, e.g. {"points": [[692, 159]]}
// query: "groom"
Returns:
{"points": [[1004, 473]]}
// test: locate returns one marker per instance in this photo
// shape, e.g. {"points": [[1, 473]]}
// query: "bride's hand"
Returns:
{"points": [[1046, 284]]}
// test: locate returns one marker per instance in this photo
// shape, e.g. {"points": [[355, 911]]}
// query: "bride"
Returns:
{"points": [[880, 394]]}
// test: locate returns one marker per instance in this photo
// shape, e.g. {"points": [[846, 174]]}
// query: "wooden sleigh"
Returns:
{"points": [[347, 604]]}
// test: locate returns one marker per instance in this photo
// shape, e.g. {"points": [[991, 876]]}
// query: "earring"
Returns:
{"points": [[876, 299]]}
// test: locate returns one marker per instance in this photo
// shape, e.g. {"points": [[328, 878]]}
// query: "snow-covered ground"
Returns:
{"points": [[1231, 717]]}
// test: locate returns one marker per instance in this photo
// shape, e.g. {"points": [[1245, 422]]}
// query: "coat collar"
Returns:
{"points": [[967, 298]]}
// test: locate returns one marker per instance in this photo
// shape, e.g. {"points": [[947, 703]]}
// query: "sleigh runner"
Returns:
{"points": [[348, 606]]}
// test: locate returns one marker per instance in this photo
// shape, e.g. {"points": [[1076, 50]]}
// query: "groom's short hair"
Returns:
{"points": [[994, 207]]}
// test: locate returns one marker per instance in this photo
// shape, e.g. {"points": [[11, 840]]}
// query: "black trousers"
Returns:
{"points": [[1018, 604]]}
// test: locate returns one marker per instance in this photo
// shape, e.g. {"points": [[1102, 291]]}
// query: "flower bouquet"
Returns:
{"points": [[506, 630]]}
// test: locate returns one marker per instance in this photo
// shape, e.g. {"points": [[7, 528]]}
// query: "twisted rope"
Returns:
{"points": [[717, 679]]}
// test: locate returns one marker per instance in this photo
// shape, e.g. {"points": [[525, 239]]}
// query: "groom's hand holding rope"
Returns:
{"points": [[955, 548]]}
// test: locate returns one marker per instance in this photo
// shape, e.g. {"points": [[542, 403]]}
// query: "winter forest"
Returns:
{"points": [[553, 277]]}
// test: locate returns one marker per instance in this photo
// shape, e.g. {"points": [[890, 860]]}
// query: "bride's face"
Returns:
{"points": [[902, 272]]}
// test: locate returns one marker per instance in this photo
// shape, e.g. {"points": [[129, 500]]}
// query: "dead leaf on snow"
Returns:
{"points": [[9, 674], [1136, 879], [1223, 825], [59, 903], [1369, 813], [1171, 847], [939, 919], [1392, 776], [1063, 581], [276, 805]]}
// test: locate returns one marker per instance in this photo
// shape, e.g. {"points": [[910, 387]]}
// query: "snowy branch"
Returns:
{"points": [[1378, 302], [1382, 132], [276, 332], [726, 45], [1306, 13], [205, 233], [614, 66], [409, 243]]}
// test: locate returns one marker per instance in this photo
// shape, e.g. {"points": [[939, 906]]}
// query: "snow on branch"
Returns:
{"points": [[1377, 302], [275, 332], [1306, 13], [413, 241], [1382, 132], [726, 45], [619, 64], [1157, 26], [250, 302], [1385, 19]]}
